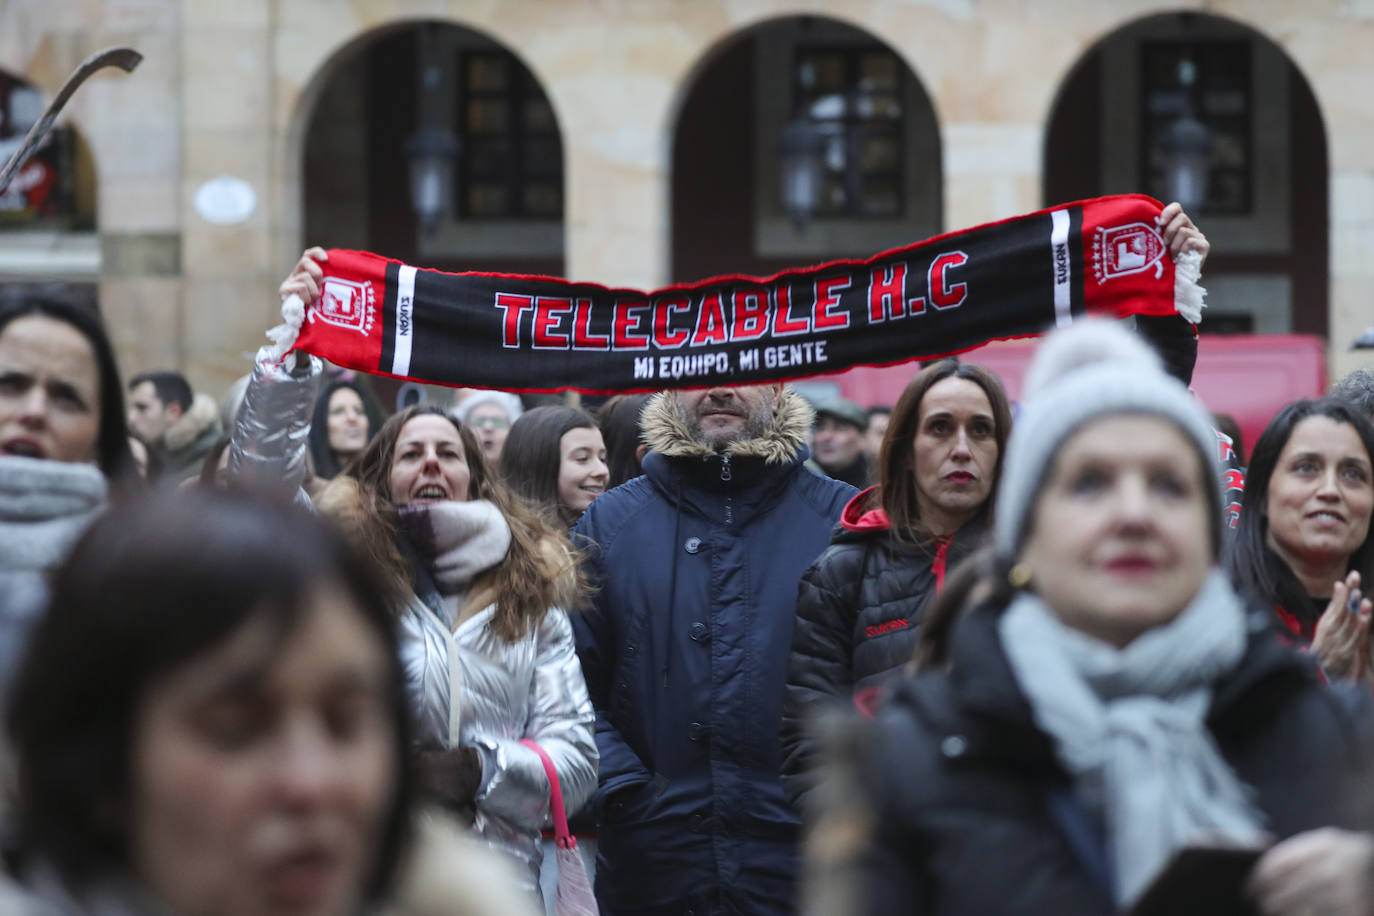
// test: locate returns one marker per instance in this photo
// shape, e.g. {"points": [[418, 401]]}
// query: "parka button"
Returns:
{"points": [[629, 651], [698, 631], [694, 821], [695, 731], [953, 746], [692, 545]]}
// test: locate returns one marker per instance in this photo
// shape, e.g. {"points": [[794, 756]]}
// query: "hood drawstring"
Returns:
{"points": [[662, 635], [672, 585]]}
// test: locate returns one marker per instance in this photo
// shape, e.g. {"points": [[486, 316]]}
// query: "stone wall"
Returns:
{"points": [[228, 86]]}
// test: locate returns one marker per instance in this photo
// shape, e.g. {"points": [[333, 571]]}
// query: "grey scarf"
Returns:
{"points": [[1130, 726], [44, 507], [456, 540]]}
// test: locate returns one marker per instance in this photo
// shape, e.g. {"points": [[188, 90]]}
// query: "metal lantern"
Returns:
{"points": [[801, 152], [433, 155], [1187, 147]]}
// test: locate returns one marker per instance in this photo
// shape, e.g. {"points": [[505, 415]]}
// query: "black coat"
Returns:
{"points": [[960, 778], [859, 612]]}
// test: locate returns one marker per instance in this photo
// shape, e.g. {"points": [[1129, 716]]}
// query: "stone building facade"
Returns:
{"points": [[261, 90]]}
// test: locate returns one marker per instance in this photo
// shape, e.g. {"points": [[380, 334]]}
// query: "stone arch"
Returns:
{"points": [[1269, 266], [724, 119]]}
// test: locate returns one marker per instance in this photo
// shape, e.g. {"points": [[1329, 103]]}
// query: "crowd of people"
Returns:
{"points": [[288, 654]]}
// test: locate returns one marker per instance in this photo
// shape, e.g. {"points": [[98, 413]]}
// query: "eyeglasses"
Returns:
{"points": [[489, 422]]}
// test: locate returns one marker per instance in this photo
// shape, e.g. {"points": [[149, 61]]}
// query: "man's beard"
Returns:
{"points": [[756, 422]]}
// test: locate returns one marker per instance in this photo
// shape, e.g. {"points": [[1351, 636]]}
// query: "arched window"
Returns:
{"points": [[409, 88], [869, 141], [1199, 107]]}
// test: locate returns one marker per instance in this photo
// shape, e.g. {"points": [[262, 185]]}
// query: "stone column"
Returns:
{"points": [[227, 130]]}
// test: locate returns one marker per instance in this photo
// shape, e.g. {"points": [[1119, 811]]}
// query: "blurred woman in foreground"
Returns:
{"points": [[247, 758], [1095, 696]]}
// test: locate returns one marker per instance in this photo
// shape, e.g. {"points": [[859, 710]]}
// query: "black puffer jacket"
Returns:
{"points": [[859, 610], [961, 782]]}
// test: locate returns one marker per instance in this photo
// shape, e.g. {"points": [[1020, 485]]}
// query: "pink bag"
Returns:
{"points": [[574, 897]]}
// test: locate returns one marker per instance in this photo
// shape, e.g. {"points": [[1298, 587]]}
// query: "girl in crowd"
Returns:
{"points": [[625, 448], [478, 583], [346, 416], [1095, 696], [860, 606], [555, 458], [63, 446], [247, 758], [1303, 541]]}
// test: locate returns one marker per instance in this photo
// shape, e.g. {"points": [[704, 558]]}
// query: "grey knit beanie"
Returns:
{"points": [[508, 402], [1083, 373]]}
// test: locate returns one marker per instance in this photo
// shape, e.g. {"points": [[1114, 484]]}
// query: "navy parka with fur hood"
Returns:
{"points": [[685, 651]]}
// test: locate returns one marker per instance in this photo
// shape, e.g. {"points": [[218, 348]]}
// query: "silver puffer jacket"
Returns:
{"points": [[531, 688]]}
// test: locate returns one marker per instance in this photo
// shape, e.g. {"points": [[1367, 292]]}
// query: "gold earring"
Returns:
{"points": [[1019, 575]]}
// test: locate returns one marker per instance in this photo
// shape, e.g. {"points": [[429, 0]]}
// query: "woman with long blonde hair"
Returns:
{"points": [[480, 585]]}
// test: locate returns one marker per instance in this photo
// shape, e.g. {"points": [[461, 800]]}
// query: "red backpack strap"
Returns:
{"points": [[560, 815]]}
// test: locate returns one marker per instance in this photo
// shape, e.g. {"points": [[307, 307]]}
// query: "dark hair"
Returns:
{"points": [[1257, 570], [150, 588], [532, 455], [539, 571], [619, 419], [897, 459], [112, 442], [324, 462], [1357, 390], [170, 387]]}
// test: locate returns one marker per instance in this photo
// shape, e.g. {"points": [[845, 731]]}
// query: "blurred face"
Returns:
{"points": [[1119, 541], [49, 391], [262, 772], [348, 430], [491, 424], [428, 464], [1320, 496], [836, 443], [873, 436], [148, 416], [955, 453], [718, 416], [582, 468]]}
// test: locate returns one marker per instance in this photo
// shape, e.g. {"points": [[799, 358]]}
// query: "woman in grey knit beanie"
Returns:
{"points": [[1100, 691]]}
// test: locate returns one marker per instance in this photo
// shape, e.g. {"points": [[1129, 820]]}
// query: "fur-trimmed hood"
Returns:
{"points": [[666, 433], [192, 424]]}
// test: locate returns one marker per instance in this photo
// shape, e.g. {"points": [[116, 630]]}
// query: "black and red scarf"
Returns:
{"points": [[1014, 278]]}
